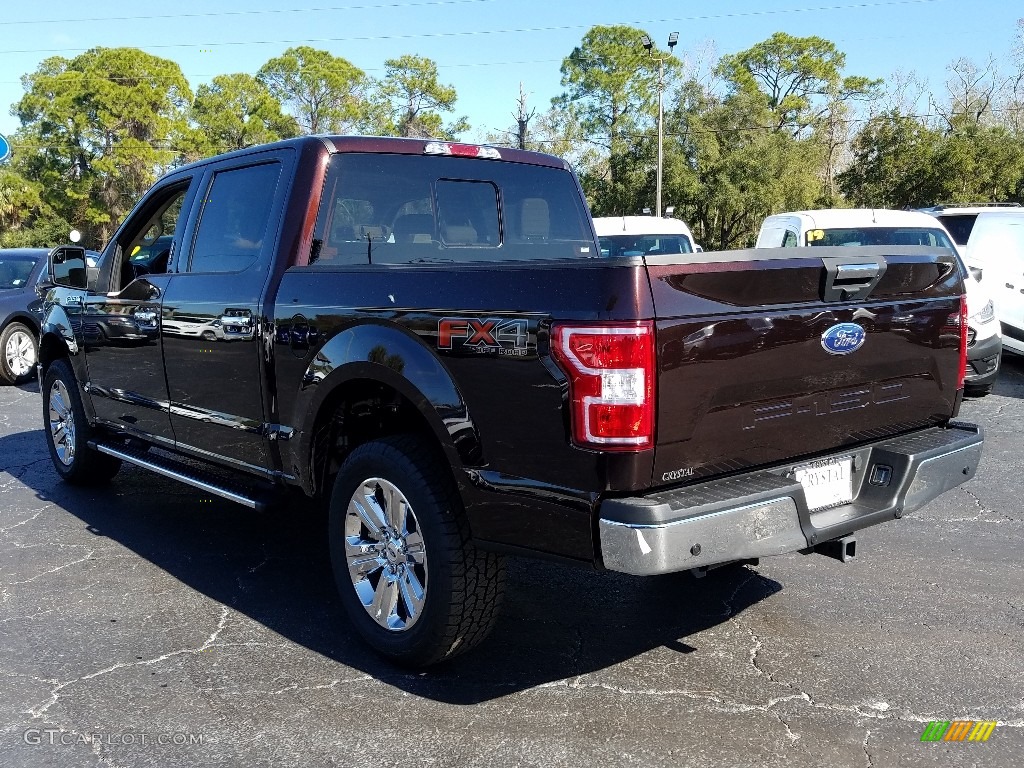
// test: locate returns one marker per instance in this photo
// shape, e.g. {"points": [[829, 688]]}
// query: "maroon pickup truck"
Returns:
{"points": [[426, 334]]}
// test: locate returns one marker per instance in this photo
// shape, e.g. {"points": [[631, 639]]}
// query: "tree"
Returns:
{"points": [[238, 111], [409, 100], [325, 93], [893, 164], [799, 78], [728, 169], [25, 220], [611, 89], [103, 125]]}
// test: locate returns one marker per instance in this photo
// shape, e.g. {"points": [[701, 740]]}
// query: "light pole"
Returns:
{"points": [[648, 45]]}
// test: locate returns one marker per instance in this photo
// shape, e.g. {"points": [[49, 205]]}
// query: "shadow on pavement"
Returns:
{"points": [[558, 621]]}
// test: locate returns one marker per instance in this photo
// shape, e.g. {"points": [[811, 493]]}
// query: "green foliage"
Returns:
{"points": [[727, 173], [409, 100], [611, 91], [796, 78], [899, 162], [893, 164], [767, 129], [325, 93], [238, 111], [96, 130]]}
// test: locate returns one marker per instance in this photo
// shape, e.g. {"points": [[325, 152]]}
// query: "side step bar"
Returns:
{"points": [[183, 473]]}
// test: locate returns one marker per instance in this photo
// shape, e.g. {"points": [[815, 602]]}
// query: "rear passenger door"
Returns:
{"points": [[213, 312]]}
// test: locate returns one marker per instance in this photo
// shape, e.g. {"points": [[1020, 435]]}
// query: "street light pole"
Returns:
{"points": [[672, 40]]}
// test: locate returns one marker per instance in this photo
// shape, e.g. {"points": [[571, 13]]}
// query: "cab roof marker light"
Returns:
{"points": [[460, 150]]}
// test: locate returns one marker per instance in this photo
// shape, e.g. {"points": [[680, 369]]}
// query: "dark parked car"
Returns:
{"points": [[20, 270]]}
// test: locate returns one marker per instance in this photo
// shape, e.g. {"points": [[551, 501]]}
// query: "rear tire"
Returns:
{"points": [[19, 351], [68, 430], [411, 581]]}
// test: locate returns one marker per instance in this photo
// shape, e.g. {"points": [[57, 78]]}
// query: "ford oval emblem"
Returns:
{"points": [[843, 339]]}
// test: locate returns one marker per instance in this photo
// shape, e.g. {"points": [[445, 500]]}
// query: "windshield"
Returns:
{"points": [[880, 236], [644, 245], [15, 271]]}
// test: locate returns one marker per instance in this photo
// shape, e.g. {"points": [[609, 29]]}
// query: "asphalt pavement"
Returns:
{"points": [[147, 624]]}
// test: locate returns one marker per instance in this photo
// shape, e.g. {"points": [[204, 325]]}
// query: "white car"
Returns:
{"points": [[866, 226], [643, 236], [991, 240]]}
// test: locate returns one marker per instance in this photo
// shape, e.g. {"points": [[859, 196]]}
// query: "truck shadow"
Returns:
{"points": [[558, 621]]}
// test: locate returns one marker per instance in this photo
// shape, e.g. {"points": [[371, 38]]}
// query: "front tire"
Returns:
{"points": [[411, 581], [68, 430], [19, 351]]}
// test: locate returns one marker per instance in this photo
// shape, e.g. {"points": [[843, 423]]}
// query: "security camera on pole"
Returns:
{"points": [[649, 45]]}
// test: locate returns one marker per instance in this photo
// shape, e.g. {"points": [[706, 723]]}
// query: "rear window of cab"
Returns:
{"points": [[407, 209]]}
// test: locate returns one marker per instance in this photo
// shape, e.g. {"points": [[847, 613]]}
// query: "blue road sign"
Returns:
{"points": [[5, 148]]}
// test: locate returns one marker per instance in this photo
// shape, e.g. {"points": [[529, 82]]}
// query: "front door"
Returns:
{"points": [[121, 315], [211, 315]]}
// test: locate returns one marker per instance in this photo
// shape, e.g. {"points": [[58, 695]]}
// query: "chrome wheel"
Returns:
{"points": [[62, 423], [387, 560], [20, 353]]}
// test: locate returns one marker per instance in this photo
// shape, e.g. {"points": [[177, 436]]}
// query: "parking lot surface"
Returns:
{"points": [[147, 624]]}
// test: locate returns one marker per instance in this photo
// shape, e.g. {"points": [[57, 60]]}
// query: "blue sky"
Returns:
{"points": [[485, 48]]}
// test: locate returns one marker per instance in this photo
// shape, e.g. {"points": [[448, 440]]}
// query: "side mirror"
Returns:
{"points": [[698, 248], [68, 267]]}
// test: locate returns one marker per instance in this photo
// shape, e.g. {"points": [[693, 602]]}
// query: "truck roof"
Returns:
{"points": [[393, 145]]}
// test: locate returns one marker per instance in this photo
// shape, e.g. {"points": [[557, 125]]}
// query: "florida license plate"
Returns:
{"points": [[827, 483]]}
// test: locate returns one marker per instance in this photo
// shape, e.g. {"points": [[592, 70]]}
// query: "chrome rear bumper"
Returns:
{"points": [[765, 513]]}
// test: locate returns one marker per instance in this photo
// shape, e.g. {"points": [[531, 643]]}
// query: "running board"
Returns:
{"points": [[183, 473]]}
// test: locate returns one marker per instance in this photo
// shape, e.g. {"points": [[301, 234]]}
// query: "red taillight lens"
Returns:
{"points": [[611, 383], [963, 343]]}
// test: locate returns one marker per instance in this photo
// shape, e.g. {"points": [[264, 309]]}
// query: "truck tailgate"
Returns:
{"points": [[765, 356]]}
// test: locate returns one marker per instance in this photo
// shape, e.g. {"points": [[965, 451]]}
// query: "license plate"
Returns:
{"points": [[827, 483]]}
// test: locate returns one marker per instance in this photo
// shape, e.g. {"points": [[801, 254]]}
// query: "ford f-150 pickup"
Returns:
{"points": [[426, 335]]}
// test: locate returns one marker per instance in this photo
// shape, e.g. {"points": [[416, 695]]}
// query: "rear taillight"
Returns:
{"points": [[611, 383], [963, 343]]}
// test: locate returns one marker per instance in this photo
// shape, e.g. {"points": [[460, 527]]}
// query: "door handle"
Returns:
{"points": [[1010, 286]]}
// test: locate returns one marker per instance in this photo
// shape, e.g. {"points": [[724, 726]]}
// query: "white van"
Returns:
{"points": [[991, 240], [866, 226], [643, 236]]}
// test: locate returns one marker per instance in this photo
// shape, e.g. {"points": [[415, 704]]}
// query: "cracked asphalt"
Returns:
{"points": [[146, 624]]}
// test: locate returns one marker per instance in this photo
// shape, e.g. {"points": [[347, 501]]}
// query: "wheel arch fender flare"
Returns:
{"points": [[396, 358], [55, 332]]}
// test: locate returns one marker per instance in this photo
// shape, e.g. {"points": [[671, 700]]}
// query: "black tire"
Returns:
{"points": [[972, 391], [24, 351], [462, 586], [68, 439]]}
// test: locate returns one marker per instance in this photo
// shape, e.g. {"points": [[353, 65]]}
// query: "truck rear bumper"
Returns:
{"points": [[765, 513]]}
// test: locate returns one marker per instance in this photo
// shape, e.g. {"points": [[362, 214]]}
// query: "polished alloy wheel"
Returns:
{"points": [[387, 561], [20, 353], [62, 423]]}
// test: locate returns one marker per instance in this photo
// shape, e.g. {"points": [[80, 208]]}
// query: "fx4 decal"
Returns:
{"points": [[478, 335]]}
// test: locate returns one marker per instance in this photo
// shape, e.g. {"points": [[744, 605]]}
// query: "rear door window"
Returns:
{"points": [[401, 209], [959, 225], [235, 219]]}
